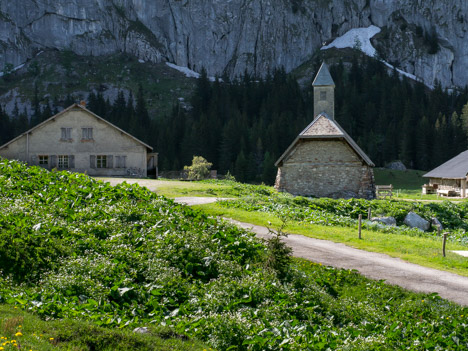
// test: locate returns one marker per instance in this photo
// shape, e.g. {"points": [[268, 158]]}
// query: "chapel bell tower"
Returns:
{"points": [[324, 93]]}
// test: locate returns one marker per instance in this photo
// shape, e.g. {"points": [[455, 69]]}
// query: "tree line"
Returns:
{"points": [[243, 126]]}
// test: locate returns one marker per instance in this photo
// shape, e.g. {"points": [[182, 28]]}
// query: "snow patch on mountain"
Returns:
{"points": [[188, 72], [359, 38], [13, 69]]}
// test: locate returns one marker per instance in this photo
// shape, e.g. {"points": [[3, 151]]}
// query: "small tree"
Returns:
{"points": [[199, 169], [279, 258]]}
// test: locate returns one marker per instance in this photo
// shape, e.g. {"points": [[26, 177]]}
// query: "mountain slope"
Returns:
{"points": [[228, 37]]}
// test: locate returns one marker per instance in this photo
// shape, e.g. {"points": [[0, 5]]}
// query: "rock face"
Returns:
{"points": [[413, 220], [426, 38]]}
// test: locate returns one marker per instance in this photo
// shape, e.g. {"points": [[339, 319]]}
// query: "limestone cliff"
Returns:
{"points": [[231, 36]]}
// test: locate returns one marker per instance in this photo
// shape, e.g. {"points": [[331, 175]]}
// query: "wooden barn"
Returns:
{"points": [[450, 178], [324, 161]]}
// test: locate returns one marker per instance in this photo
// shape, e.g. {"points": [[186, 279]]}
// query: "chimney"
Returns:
{"points": [[83, 103]]}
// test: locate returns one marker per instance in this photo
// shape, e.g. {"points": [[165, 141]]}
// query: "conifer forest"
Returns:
{"points": [[243, 126]]}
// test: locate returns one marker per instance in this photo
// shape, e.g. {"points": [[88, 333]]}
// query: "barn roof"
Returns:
{"points": [[323, 77], [84, 109], [455, 168], [322, 127]]}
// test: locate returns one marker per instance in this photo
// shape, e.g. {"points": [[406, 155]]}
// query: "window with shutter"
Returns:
{"points": [[71, 161], [63, 161], [43, 161], [66, 134], [86, 133], [101, 161]]}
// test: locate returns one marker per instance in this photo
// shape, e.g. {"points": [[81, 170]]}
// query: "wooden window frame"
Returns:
{"points": [[43, 160], [101, 161], [63, 161]]}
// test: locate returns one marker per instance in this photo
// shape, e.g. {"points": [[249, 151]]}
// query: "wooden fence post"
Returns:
{"points": [[369, 213], [360, 225], [443, 246]]}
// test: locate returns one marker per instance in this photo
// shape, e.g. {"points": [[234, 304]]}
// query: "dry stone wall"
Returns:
{"points": [[325, 168]]}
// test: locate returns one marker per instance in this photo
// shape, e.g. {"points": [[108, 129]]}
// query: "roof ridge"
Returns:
{"points": [[66, 110]]}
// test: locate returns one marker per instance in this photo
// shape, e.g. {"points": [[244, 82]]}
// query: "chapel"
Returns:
{"points": [[323, 160]]}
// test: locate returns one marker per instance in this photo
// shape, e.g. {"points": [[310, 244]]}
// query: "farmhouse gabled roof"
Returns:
{"points": [[87, 111], [323, 77], [455, 168], [322, 127]]}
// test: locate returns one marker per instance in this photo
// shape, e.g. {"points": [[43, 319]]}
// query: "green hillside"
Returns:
{"points": [[404, 180], [56, 77], [121, 257]]}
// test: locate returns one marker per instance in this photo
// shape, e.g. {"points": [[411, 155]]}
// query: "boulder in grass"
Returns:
{"points": [[141, 330], [436, 223], [385, 220], [414, 220], [398, 165]]}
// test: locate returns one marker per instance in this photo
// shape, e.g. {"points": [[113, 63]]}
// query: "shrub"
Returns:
{"points": [[200, 168]]}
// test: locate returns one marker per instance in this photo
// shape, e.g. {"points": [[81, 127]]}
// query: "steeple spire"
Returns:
{"points": [[323, 77], [324, 93]]}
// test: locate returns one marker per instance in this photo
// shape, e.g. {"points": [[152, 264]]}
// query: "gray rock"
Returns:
{"points": [[141, 330], [385, 220], [436, 223], [398, 165], [414, 220]]}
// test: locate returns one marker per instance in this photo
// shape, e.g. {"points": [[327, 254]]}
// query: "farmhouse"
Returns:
{"points": [[324, 161], [78, 140], [450, 178]]}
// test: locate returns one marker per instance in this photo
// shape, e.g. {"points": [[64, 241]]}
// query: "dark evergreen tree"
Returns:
{"points": [[6, 130], [36, 117]]}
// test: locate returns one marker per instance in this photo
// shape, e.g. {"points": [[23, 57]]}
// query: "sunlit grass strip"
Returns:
{"points": [[420, 250], [20, 330]]}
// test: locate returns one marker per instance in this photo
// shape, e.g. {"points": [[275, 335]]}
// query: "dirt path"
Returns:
{"points": [[191, 201], [372, 265], [151, 184]]}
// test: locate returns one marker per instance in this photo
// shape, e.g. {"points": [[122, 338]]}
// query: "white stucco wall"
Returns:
{"points": [[107, 140]]}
